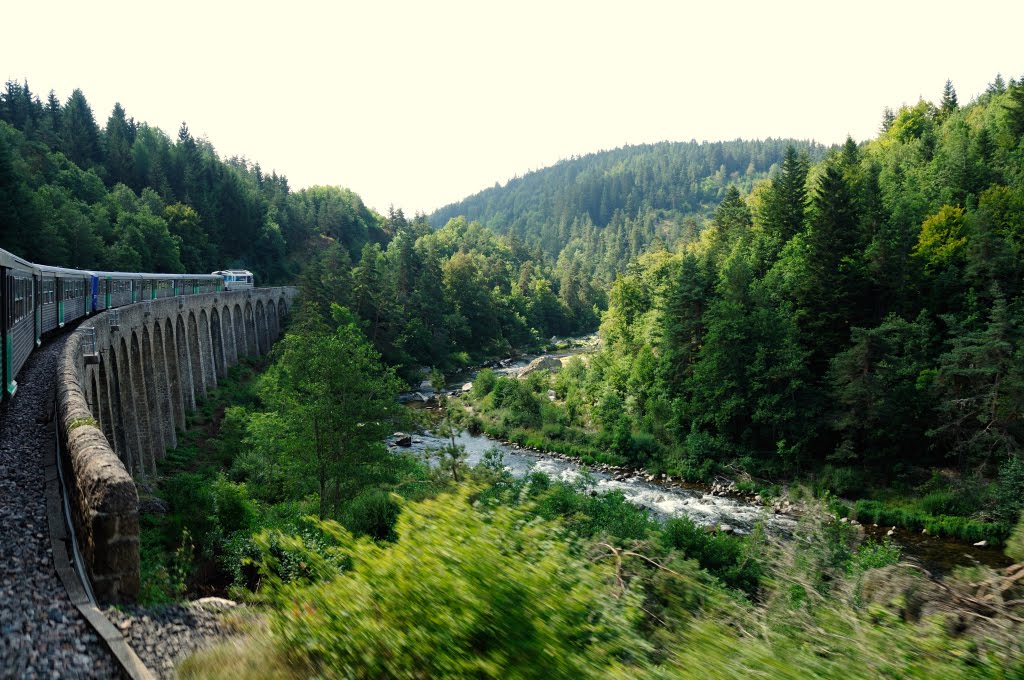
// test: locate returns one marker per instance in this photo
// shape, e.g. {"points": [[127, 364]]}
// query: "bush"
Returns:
{"points": [[484, 383], [1010, 489], [1015, 546], [875, 555], [945, 503], [522, 405], [233, 509], [462, 594], [842, 481], [724, 556], [372, 513]]}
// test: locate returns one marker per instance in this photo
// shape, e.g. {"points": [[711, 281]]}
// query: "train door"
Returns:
{"points": [[37, 302], [59, 282], [5, 326]]}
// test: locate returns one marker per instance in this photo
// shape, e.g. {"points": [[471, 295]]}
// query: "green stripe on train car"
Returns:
{"points": [[60, 313], [9, 383]]}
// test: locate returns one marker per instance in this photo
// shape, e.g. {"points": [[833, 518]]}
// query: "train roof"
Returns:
{"points": [[11, 260], [146, 275], [49, 269], [233, 272]]}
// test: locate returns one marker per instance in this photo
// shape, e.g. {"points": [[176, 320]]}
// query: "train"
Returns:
{"points": [[236, 279], [40, 299]]}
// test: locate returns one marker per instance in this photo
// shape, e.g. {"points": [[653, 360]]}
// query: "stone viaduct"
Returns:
{"points": [[126, 380]]}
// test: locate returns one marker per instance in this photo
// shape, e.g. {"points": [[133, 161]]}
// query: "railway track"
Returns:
{"points": [[42, 632]]}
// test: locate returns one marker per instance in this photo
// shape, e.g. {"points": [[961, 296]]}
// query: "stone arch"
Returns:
{"points": [[129, 409], [206, 355], [218, 344], [188, 393], [92, 395], [118, 421], [241, 346], [228, 329], [106, 418], [272, 323], [173, 377], [142, 407], [163, 388], [155, 382], [251, 346], [195, 358], [262, 333], [282, 308]]}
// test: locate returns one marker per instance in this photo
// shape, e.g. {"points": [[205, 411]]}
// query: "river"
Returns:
{"points": [[663, 499], [667, 498]]}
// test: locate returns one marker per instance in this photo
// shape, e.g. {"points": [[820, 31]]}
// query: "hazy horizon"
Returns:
{"points": [[419, 106]]}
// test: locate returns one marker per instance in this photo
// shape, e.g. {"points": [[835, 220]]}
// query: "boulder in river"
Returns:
{"points": [[403, 439], [545, 363]]}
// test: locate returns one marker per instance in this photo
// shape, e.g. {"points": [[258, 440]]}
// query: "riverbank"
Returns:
{"points": [[517, 414]]}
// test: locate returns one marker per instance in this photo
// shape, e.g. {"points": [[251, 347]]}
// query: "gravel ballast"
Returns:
{"points": [[163, 636], [42, 634]]}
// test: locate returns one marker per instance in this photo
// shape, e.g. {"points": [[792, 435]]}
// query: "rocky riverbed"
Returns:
{"points": [[42, 634], [717, 507]]}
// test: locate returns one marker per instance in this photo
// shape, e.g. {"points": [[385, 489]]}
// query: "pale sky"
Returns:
{"points": [[419, 104]]}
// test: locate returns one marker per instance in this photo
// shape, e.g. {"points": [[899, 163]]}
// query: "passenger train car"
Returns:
{"points": [[235, 279], [37, 299]]}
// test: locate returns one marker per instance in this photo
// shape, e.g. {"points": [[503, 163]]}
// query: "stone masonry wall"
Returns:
{"points": [[121, 399]]}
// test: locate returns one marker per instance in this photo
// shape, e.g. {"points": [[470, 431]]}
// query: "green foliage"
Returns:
{"points": [[1015, 544], [1010, 488], [372, 513], [730, 558], [942, 237], [914, 519], [875, 555], [329, 405], [464, 593], [484, 383]]}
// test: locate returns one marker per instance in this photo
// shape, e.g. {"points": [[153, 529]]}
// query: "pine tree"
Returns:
{"points": [[949, 104], [118, 139], [80, 136], [785, 204]]}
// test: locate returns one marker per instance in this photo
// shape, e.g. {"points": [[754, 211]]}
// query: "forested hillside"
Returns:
{"points": [[128, 197], [861, 318], [599, 211]]}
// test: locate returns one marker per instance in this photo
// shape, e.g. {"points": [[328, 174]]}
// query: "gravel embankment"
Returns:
{"points": [[42, 634], [163, 636]]}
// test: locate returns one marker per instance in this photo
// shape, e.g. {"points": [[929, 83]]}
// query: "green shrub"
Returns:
{"points": [[724, 556], [1015, 544], [484, 383], [875, 555], [232, 507], [462, 594], [1010, 489], [944, 503], [842, 481], [372, 513]]}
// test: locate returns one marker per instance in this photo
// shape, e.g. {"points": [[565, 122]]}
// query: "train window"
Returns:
{"points": [[19, 299]]}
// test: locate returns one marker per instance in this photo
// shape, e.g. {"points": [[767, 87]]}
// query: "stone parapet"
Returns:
{"points": [[126, 379]]}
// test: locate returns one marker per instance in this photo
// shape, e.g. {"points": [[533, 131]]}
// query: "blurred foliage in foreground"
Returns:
{"points": [[487, 589]]}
